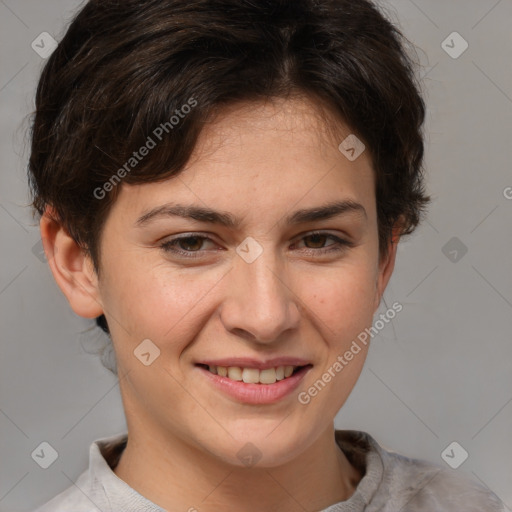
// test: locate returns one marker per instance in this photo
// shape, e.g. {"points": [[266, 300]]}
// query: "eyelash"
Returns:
{"points": [[340, 245]]}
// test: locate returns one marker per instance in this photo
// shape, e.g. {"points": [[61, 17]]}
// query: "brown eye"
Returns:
{"points": [[318, 240], [190, 243], [315, 243], [186, 246]]}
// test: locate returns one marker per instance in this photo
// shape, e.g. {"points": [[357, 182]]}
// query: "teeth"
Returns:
{"points": [[235, 373], [268, 376], [253, 375]]}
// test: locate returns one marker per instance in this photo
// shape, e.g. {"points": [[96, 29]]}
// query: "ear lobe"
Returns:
{"points": [[71, 267]]}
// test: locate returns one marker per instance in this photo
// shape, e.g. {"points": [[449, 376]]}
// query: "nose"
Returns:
{"points": [[260, 304]]}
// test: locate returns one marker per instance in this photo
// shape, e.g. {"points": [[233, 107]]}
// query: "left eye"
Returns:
{"points": [[188, 245], [322, 237]]}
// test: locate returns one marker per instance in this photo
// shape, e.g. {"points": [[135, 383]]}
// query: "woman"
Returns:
{"points": [[223, 186]]}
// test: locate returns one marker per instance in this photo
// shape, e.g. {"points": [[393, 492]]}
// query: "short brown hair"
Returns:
{"points": [[126, 67]]}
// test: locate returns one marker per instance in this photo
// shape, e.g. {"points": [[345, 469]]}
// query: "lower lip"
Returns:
{"points": [[256, 393]]}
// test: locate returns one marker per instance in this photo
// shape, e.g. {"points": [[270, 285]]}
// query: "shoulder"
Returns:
{"points": [[89, 492], [77, 497], [416, 485], [395, 483]]}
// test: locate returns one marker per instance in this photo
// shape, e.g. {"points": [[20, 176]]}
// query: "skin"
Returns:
{"points": [[260, 162]]}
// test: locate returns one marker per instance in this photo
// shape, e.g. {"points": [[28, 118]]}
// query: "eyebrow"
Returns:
{"points": [[207, 215]]}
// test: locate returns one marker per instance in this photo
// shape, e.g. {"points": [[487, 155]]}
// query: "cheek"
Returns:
{"points": [[158, 302], [341, 300], [342, 308]]}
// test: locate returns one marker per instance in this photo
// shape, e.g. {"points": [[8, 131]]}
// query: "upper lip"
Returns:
{"points": [[247, 362]]}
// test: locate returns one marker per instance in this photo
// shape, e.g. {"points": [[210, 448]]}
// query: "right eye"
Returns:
{"points": [[187, 245]]}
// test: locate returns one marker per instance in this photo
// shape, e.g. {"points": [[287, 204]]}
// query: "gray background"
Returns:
{"points": [[441, 372]]}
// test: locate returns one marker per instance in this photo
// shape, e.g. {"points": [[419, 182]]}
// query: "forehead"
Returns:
{"points": [[278, 155], [298, 120]]}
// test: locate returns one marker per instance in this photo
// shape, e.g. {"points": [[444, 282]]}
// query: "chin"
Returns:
{"points": [[253, 444]]}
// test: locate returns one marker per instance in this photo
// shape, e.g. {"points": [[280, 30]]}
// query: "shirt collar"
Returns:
{"points": [[359, 447], [103, 454]]}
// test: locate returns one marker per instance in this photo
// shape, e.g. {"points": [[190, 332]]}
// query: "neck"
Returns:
{"points": [[175, 475]]}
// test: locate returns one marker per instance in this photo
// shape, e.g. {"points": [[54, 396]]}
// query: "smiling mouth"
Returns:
{"points": [[254, 375]]}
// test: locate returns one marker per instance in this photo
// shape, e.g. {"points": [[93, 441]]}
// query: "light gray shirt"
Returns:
{"points": [[391, 483]]}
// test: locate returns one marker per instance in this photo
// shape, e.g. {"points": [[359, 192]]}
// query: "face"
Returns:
{"points": [[272, 289]]}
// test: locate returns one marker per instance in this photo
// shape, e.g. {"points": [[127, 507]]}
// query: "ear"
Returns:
{"points": [[71, 267], [386, 266]]}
